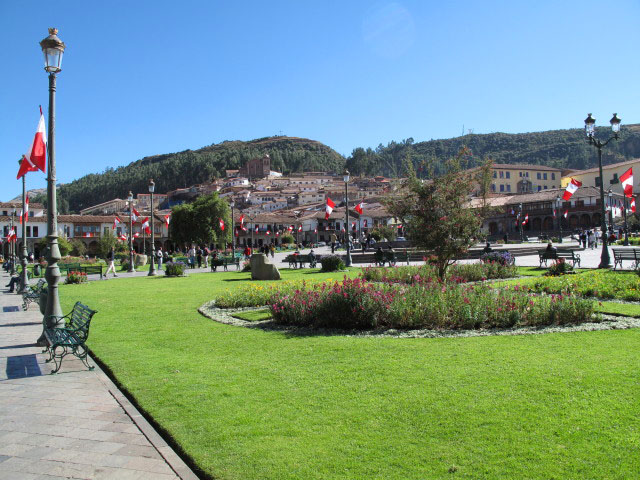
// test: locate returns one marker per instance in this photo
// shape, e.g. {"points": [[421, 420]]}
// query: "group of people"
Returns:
{"points": [[589, 238]]}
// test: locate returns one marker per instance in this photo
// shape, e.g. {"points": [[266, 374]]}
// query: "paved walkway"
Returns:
{"points": [[75, 424]]}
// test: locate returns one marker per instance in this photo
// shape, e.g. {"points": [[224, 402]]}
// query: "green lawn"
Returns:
{"points": [[254, 316], [249, 404]]}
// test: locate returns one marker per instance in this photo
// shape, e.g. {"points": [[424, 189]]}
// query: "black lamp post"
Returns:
{"points": [[345, 177], [12, 245], [130, 200], [626, 227], [53, 49], [590, 130], [559, 212], [152, 267], [520, 224], [233, 231], [24, 280]]}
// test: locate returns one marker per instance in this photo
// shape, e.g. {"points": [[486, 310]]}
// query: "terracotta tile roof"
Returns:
{"points": [[604, 167]]}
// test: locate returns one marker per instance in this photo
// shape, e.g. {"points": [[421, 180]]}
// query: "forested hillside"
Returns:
{"points": [[555, 148], [177, 170]]}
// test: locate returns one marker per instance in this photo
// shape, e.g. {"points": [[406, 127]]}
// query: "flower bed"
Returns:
{"points": [[255, 295], [76, 277], [357, 304], [600, 284], [458, 273]]}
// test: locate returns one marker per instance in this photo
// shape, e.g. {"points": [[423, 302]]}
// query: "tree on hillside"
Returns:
{"points": [[199, 222], [436, 215]]}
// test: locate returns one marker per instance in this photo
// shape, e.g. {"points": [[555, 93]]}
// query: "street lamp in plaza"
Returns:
{"points": [[12, 245], [23, 254], [590, 131], [152, 267], [53, 49], [559, 212], [233, 230], [130, 201], [345, 177], [520, 224]]}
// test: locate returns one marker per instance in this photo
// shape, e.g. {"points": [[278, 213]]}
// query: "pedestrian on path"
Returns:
{"points": [[111, 258], [160, 257]]}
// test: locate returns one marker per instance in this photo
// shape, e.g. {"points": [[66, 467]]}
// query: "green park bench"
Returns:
{"points": [[31, 293], [225, 262], [71, 338], [65, 268], [545, 256], [298, 261], [620, 254], [92, 269]]}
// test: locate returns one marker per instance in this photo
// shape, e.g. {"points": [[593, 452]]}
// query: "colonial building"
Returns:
{"points": [[256, 168], [611, 173]]}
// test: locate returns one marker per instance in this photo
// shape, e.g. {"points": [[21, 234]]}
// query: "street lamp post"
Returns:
{"points": [[626, 228], [130, 200], [12, 245], [520, 225], [53, 49], [345, 177], [559, 211], [24, 280], [590, 130], [152, 267], [233, 231]]}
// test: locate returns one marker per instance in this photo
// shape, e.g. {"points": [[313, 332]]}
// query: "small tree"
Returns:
{"points": [[78, 248], [108, 240], [287, 238], [64, 245], [199, 221], [437, 214], [383, 231]]}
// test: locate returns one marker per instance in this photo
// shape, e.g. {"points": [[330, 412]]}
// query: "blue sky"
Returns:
{"points": [[142, 78]]}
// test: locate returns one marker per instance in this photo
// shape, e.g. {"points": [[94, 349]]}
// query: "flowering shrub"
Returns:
{"points": [[76, 277], [332, 263], [599, 283], [174, 269], [257, 294], [357, 304], [559, 267], [503, 258], [69, 259], [458, 273]]}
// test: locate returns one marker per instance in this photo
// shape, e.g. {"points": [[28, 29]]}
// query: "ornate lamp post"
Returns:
{"points": [[520, 224], [130, 201], [152, 267], [12, 245], [626, 227], [345, 177], [559, 208], [233, 230], [53, 49], [590, 130], [24, 280]]}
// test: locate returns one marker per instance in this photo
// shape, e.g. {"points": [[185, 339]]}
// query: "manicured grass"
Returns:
{"points": [[250, 404], [254, 316], [615, 308]]}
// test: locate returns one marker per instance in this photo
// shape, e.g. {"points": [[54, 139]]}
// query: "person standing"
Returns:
{"points": [[199, 256], [159, 258], [111, 258], [192, 257]]}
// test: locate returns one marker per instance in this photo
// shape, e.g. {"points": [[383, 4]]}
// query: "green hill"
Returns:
{"points": [[556, 148], [182, 169]]}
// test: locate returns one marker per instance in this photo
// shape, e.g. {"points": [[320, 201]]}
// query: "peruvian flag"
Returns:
{"points": [[291, 228], [268, 232], [242, 223], [116, 222], [88, 235], [554, 213], [358, 208], [136, 235], [145, 226], [11, 236], [353, 226], [565, 214], [26, 210], [36, 157], [277, 234], [299, 228], [221, 223], [167, 219], [257, 227], [627, 182], [366, 224], [329, 208], [122, 237], [134, 215], [633, 205], [571, 189], [526, 219]]}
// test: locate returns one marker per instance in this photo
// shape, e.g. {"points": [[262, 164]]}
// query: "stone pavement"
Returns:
{"points": [[75, 424]]}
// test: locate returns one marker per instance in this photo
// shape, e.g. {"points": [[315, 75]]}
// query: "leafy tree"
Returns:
{"points": [[383, 231], [108, 240], [78, 248], [64, 245], [436, 214], [287, 239], [198, 222]]}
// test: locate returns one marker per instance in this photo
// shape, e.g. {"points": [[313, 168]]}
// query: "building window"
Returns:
{"points": [[508, 174], [544, 175], [527, 175], [35, 231], [508, 187], [553, 177], [501, 174], [520, 173], [28, 231], [539, 176], [597, 181], [501, 188], [539, 187], [545, 187], [493, 188]]}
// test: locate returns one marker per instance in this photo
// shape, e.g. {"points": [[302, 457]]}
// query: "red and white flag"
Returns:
{"points": [[257, 227], [526, 219], [291, 228], [554, 213], [565, 214], [116, 222], [268, 232], [366, 224], [328, 208], [316, 230], [11, 236], [122, 237], [145, 226], [627, 182], [26, 209], [571, 188], [134, 215], [633, 205], [242, 223], [358, 208], [221, 223], [136, 235], [36, 157], [299, 228], [88, 235], [277, 234], [167, 219]]}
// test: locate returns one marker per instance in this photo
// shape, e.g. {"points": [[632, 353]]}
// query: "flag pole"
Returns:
{"points": [[24, 280]]}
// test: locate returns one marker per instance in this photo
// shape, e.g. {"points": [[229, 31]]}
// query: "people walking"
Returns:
{"points": [[159, 258], [111, 258]]}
